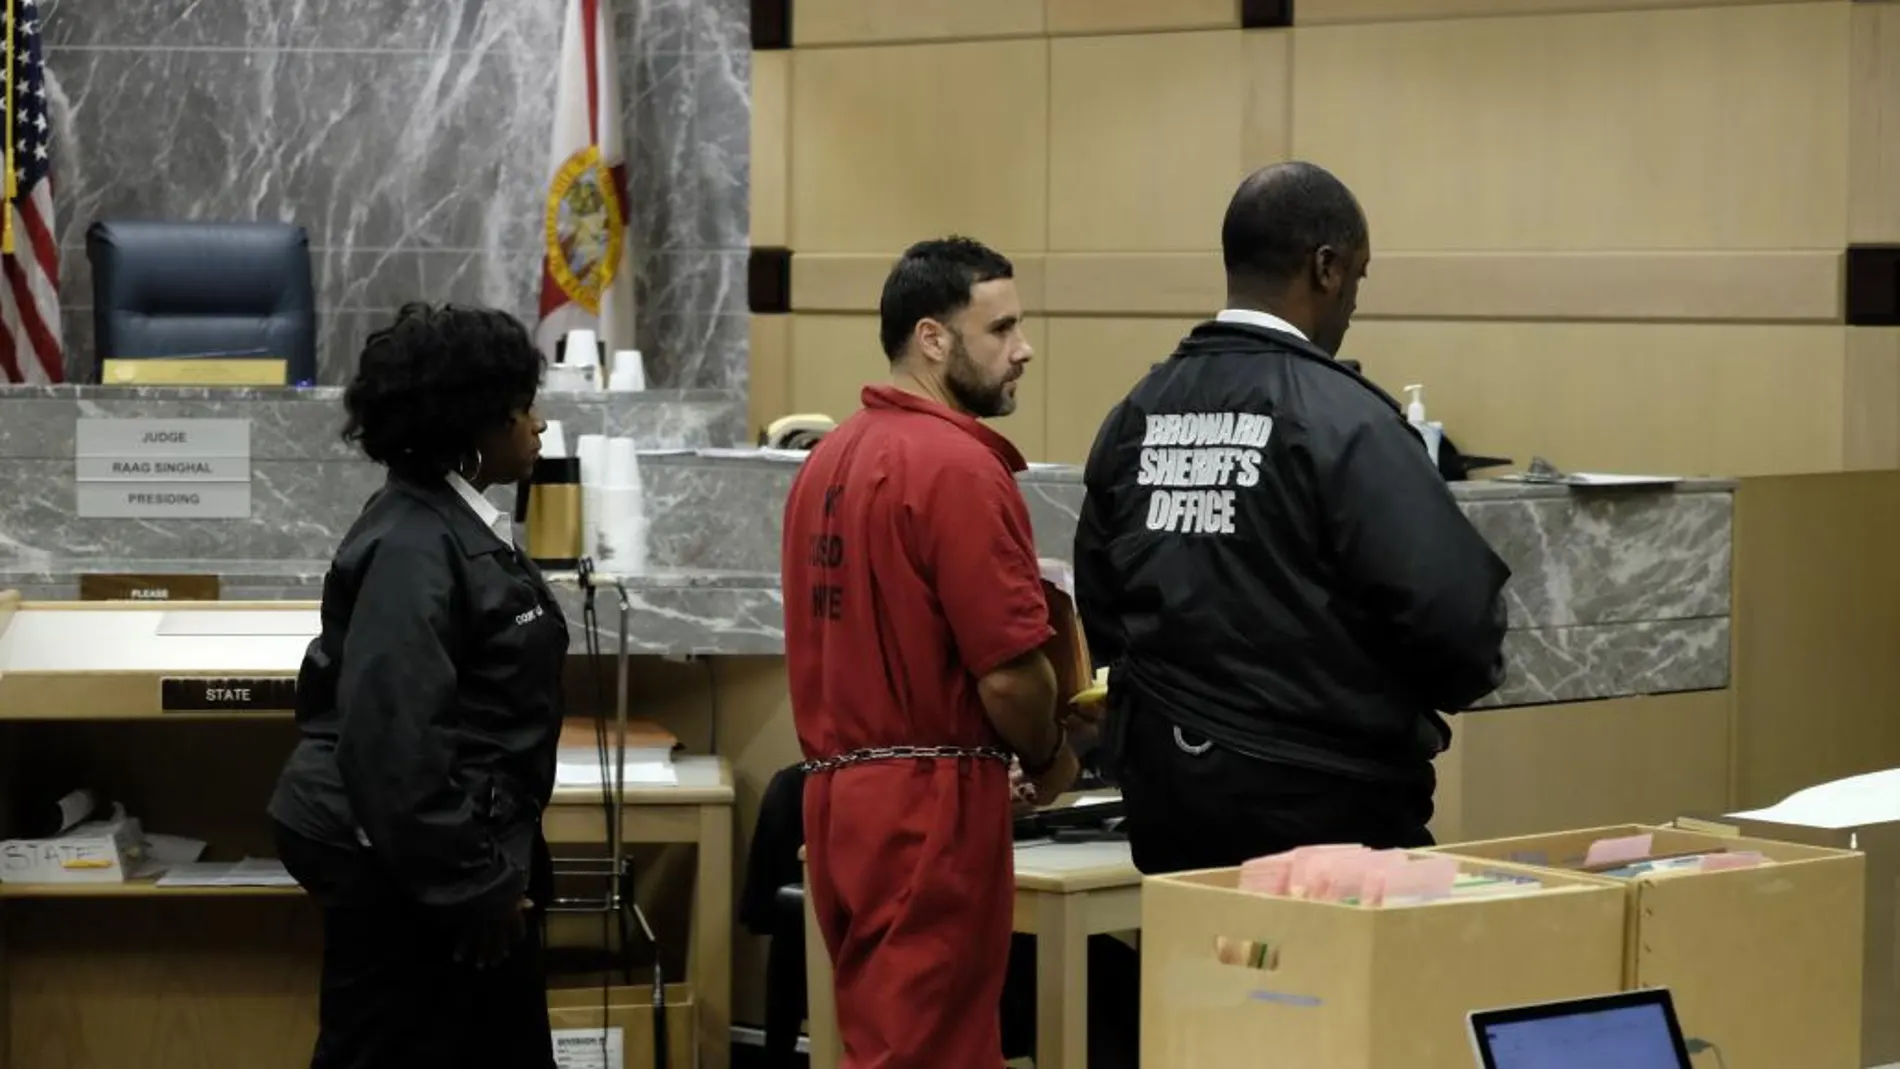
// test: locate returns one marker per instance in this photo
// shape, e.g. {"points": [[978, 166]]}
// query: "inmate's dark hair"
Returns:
{"points": [[1281, 214], [431, 384], [932, 280]]}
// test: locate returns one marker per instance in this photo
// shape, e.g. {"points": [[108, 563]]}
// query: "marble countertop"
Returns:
{"points": [[1472, 490], [294, 573], [1614, 591], [313, 394]]}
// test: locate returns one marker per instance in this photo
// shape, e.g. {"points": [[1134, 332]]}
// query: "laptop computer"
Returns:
{"points": [[1630, 1030]]}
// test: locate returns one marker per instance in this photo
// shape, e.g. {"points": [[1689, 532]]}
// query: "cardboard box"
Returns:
{"points": [[1880, 959], [1763, 962], [1348, 987], [574, 1012]]}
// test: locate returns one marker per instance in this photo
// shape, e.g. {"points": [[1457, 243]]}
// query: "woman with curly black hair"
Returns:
{"points": [[430, 708]]}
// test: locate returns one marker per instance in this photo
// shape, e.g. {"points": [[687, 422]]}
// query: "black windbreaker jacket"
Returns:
{"points": [[430, 705], [1267, 557]]}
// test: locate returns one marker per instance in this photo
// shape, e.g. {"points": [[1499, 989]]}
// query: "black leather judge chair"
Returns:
{"points": [[189, 289], [772, 904]]}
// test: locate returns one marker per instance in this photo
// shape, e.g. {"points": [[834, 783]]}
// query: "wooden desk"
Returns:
{"points": [[1065, 892], [699, 811]]}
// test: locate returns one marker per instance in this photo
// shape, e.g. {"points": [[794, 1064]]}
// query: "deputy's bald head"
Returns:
{"points": [[1281, 215], [1295, 244]]}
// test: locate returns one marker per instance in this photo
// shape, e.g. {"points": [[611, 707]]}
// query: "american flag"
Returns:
{"points": [[30, 348]]}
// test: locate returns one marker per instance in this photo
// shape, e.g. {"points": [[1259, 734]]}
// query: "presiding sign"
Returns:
{"points": [[239, 694], [163, 468]]}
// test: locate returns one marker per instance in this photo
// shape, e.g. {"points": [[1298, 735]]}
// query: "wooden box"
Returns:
{"points": [[1764, 962], [1349, 987]]}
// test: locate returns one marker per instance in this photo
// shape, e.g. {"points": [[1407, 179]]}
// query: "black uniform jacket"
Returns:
{"points": [[1267, 557], [430, 706]]}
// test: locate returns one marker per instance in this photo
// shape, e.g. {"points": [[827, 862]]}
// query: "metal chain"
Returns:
{"points": [[904, 753]]}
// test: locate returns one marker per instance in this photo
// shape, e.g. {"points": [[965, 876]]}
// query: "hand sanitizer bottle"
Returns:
{"points": [[1415, 415]]}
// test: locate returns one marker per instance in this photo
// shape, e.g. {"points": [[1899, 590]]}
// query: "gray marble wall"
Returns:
{"points": [[307, 484], [1611, 593], [411, 139]]}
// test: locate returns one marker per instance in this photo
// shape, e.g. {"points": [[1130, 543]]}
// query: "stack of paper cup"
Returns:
{"points": [[621, 528], [629, 372], [593, 453], [582, 349], [579, 368]]}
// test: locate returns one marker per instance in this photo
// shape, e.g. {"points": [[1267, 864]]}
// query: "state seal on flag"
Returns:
{"points": [[586, 229]]}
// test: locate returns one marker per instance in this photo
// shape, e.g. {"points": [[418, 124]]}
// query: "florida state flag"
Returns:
{"points": [[586, 265]]}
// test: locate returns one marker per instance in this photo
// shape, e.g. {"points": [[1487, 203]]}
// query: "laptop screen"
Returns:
{"points": [[1590, 1034]]}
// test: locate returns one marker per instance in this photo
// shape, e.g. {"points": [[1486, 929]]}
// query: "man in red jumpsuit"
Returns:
{"points": [[914, 621]]}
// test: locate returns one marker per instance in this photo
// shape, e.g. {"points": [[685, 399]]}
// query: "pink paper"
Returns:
{"points": [[1382, 864], [1266, 875], [1305, 857], [1348, 873], [1746, 859], [1328, 874], [1420, 880], [1619, 851]]}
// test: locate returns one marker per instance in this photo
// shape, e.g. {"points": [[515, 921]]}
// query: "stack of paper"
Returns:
{"points": [[585, 758], [1351, 874], [166, 852], [250, 872]]}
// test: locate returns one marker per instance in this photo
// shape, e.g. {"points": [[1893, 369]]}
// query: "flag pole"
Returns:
{"points": [[12, 181]]}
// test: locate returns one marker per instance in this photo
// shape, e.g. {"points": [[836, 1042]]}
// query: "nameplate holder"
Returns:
{"points": [[112, 586], [166, 371], [227, 694]]}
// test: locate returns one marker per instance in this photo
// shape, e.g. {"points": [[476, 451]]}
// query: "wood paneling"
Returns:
{"points": [[832, 22], [164, 982], [1871, 407], [853, 282], [1136, 284], [1770, 287], [1817, 612], [1718, 286], [1580, 243], [839, 282], [1643, 130], [1144, 149], [1134, 16], [1266, 120], [1320, 12], [843, 22], [1683, 399], [1092, 365], [771, 145], [1588, 765], [900, 143], [835, 356], [1874, 122], [769, 375]]}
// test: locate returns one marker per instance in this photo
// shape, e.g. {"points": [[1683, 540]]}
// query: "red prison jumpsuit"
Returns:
{"points": [[909, 571]]}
